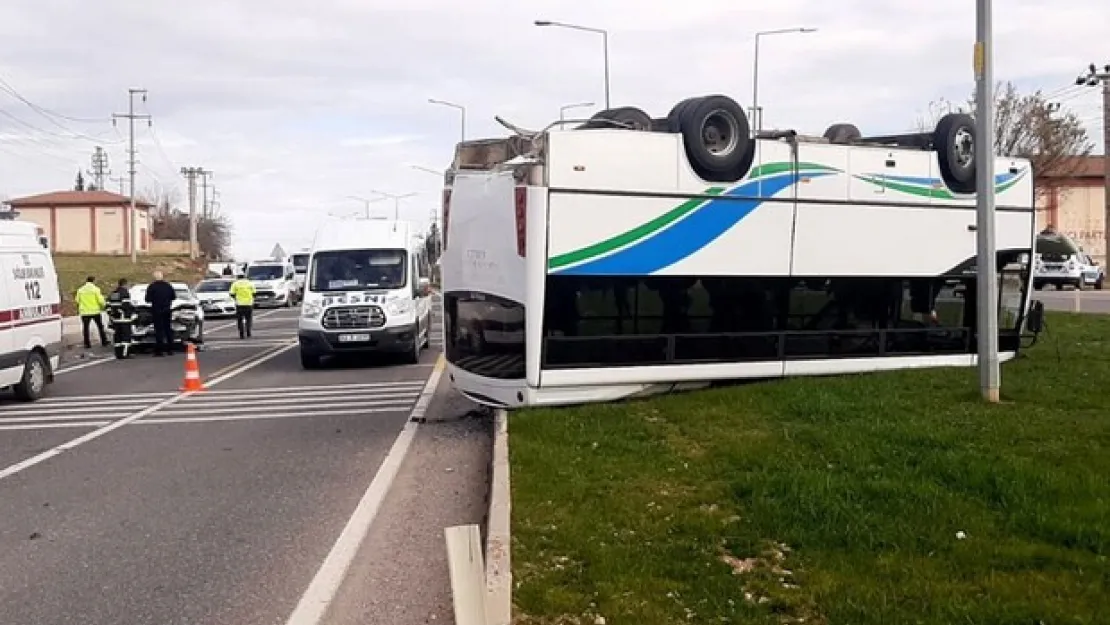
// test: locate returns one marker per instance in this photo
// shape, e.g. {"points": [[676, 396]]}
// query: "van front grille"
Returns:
{"points": [[353, 318]]}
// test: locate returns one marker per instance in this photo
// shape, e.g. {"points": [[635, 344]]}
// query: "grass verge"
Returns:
{"points": [[886, 498], [74, 269]]}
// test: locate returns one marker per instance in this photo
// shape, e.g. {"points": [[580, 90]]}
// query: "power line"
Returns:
{"points": [[10, 90]]}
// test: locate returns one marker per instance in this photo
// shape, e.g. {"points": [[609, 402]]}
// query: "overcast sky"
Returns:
{"points": [[294, 105]]}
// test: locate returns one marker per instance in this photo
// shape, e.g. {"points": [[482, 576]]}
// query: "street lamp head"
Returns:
{"points": [[808, 30], [542, 22]]}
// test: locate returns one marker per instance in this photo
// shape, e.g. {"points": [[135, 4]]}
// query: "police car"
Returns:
{"points": [[30, 311]]}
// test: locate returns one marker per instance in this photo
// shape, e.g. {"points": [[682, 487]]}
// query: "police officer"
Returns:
{"points": [[90, 305], [243, 292], [121, 314]]}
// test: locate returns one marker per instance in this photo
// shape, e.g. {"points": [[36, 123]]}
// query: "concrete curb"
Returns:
{"points": [[499, 573], [71, 332]]}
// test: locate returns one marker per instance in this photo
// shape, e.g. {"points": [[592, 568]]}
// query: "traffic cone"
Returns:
{"points": [[192, 383]]}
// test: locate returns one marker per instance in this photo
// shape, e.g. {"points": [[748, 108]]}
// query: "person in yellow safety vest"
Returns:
{"points": [[243, 292], [90, 305]]}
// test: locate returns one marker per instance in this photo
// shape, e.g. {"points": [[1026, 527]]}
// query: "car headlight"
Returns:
{"points": [[398, 307], [311, 310]]}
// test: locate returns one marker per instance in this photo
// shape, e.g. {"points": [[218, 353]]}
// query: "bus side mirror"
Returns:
{"points": [[1034, 321], [424, 285]]}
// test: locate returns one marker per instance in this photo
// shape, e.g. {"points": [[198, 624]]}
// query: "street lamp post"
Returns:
{"points": [[756, 113], [566, 107], [986, 261], [460, 108], [365, 203], [604, 45], [396, 201]]}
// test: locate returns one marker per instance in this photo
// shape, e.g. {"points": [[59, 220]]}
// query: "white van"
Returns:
{"points": [[367, 290], [30, 312], [273, 283]]}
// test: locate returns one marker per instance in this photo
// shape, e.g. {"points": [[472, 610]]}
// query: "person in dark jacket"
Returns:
{"points": [[160, 295], [121, 314]]}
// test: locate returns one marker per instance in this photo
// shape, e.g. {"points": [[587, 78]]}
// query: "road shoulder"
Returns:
{"points": [[400, 574]]}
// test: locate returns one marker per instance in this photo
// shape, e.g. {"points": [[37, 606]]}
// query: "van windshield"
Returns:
{"points": [[265, 272], [300, 263], [351, 270]]}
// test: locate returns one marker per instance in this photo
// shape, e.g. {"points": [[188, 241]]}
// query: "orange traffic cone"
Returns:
{"points": [[192, 381]]}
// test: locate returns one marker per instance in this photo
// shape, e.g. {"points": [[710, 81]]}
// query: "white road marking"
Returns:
{"points": [[53, 426], [270, 415], [325, 584], [101, 431], [315, 407], [100, 361], [289, 389], [76, 399], [39, 407]]}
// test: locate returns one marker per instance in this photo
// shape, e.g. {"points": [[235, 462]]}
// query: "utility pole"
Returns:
{"points": [[1093, 78], [986, 271], [131, 116], [100, 168], [204, 193], [191, 174], [120, 180]]}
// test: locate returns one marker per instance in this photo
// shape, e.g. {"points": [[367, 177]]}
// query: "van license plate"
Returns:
{"points": [[354, 338]]}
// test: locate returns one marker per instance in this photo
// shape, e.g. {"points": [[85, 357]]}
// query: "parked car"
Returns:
{"points": [[187, 320], [215, 298], [1060, 262]]}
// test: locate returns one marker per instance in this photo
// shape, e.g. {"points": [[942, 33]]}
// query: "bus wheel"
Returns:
{"points": [[717, 137], [842, 133], [954, 141], [626, 117]]}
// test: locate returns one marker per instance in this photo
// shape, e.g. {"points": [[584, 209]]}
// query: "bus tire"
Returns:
{"points": [[627, 117], [674, 118], [954, 141], [717, 136], [842, 133]]}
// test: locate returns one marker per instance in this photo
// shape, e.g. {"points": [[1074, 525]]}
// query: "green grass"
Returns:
{"points": [[839, 499], [74, 269]]}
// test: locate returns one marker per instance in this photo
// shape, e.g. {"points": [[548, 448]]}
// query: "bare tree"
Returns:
{"points": [[1026, 126]]}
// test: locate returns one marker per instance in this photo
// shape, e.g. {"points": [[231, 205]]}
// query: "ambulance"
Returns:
{"points": [[30, 311]]}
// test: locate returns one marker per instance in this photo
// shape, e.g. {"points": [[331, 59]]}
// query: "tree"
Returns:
{"points": [[1026, 126], [79, 185], [168, 223]]}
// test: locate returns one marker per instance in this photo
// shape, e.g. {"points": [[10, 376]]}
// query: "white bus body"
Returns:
{"points": [[367, 291], [596, 264]]}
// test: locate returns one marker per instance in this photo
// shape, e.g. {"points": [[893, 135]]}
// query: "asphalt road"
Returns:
{"points": [[1096, 302], [249, 503]]}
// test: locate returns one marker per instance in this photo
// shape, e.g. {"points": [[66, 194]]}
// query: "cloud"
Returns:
{"points": [[295, 108]]}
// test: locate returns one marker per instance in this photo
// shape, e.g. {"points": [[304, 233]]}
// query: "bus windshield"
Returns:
{"points": [[348, 270]]}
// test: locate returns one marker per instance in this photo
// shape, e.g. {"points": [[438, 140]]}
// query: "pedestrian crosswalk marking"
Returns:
{"points": [[284, 402]]}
